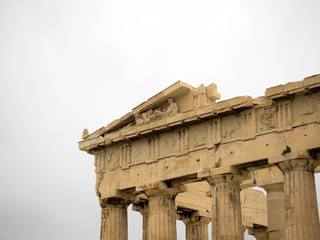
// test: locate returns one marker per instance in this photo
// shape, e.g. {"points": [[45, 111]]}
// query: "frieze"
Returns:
{"points": [[198, 135], [214, 132], [284, 115], [248, 124], [231, 127], [168, 144], [235, 119], [266, 119], [305, 108], [139, 151], [154, 147], [125, 154], [182, 140]]}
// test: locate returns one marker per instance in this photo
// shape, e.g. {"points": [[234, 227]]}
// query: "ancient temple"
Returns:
{"points": [[184, 155]]}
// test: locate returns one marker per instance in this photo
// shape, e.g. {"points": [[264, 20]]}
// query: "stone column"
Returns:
{"points": [[275, 203], [143, 208], [162, 213], [114, 224], [260, 233], [300, 200], [196, 227], [226, 207]]}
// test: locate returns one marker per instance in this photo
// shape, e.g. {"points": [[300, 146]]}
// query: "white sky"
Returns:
{"points": [[69, 65]]}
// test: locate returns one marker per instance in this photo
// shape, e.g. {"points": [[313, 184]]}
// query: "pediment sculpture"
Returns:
{"points": [[158, 113]]}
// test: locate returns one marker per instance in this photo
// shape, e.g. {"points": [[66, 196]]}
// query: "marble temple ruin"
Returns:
{"points": [[183, 155]]}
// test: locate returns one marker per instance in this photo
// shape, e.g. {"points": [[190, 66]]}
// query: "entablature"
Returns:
{"points": [[241, 132], [240, 117]]}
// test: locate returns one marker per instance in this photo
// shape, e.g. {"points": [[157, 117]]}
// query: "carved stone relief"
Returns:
{"points": [[200, 144], [199, 96], [198, 136], [266, 119], [203, 96], [143, 117], [168, 144], [159, 113], [231, 127], [139, 151]]}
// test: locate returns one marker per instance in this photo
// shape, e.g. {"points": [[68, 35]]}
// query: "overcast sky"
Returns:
{"points": [[66, 65]]}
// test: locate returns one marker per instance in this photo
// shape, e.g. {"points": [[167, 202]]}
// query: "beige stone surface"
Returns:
{"points": [[195, 199], [114, 221], [162, 214], [300, 200], [196, 227], [182, 135], [199, 198], [226, 207], [275, 206], [254, 208]]}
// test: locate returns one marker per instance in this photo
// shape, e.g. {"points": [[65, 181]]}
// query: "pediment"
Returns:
{"points": [[184, 98]]}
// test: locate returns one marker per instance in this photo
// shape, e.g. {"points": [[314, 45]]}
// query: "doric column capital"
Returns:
{"points": [[196, 224], [162, 212], [224, 175], [298, 164], [226, 206], [195, 219], [116, 197], [224, 179], [113, 202], [163, 189], [114, 221]]}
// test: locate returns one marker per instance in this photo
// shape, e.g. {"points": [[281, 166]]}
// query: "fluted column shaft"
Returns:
{"points": [[145, 224], [275, 203], [114, 224], [196, 228], [143, 208], [162, 214], [301, 210], [226, 207]]}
